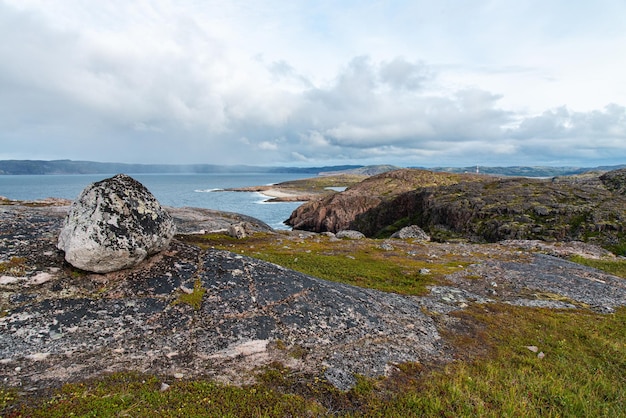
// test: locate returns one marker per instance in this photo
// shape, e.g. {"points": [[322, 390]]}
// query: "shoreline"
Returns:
{"points": [[277, 194]]}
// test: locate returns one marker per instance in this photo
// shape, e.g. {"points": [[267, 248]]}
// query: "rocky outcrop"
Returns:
{"points": [[615, 180], [114, 224], [513, 208], [337, 212], [58, 324]]}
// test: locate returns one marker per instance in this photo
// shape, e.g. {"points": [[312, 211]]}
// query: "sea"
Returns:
{"points": [[177, 190]]}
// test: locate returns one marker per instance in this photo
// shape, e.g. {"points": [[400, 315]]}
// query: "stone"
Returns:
{"points": [[114, 224], [412, 231], [237, 231], [349, 234]]}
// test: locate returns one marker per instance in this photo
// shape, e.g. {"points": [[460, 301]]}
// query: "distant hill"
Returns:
{"points": [[17, 167], [522, 171], [369, 170]]}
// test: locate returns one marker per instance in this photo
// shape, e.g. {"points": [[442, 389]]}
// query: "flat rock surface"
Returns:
{"points": [[59, 324]]}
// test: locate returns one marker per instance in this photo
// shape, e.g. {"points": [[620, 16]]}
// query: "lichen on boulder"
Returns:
{"points": [[114, 224]]}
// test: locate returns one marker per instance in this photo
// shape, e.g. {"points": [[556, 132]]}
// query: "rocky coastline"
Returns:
{"points": [[60, 324]]}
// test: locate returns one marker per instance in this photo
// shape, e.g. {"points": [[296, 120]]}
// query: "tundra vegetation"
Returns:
{"points": [[510, 361]]}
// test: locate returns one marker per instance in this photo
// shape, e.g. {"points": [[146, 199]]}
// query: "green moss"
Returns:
{"points": [[193, 299], [359, 263], [582, 373], [7, 397], [618, 249], [16, 266], [616, 267], [129, 394]]}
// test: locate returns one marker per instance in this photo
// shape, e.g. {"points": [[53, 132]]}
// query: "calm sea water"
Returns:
{"points": [[178, 190]]}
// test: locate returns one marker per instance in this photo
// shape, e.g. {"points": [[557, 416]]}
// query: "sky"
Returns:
{"points": [[307, 83]]}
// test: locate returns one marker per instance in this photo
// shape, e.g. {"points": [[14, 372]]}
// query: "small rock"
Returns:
{"points": [[38, 356], [532, 348], [186, 290], [541, 355], [40, 278], [237, 231], [424, 271], [339, 378], [386, 246], [350, 234], [178, 375], [164, 387], [412, 231]]}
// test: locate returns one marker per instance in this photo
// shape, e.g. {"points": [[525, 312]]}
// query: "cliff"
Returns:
{"points": [[337, 211], [589, 208]]}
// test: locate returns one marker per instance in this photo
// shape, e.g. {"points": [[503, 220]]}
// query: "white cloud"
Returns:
{"points": [[269, 82]]}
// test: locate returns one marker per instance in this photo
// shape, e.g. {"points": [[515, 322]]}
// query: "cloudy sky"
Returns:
{"points": [[302, 82]]}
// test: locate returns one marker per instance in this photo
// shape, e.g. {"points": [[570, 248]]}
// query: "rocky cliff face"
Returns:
{"points": [[615, 180], [337, 212], [590, 208], [506, 209]]}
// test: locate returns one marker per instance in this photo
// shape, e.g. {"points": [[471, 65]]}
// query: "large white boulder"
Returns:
{"points": [[114, 224]]}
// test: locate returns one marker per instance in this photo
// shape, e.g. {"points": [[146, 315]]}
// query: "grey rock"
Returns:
{"points": [[412, 231], [114, 224], [237, 231], [350, 234], [248, 303]]}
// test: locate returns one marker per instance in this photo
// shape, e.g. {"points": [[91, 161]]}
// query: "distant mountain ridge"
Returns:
{"points": [[18, 167], [523, 171]]}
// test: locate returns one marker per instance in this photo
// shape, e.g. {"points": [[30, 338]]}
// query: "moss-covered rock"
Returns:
{"points": [[494, 209]]}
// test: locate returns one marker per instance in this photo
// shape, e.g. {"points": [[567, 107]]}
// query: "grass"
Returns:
{"points": [[615, 267], [193, 299], [134, 395], [582, 370], [16, 266], [582, 373], [359, 263]]}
